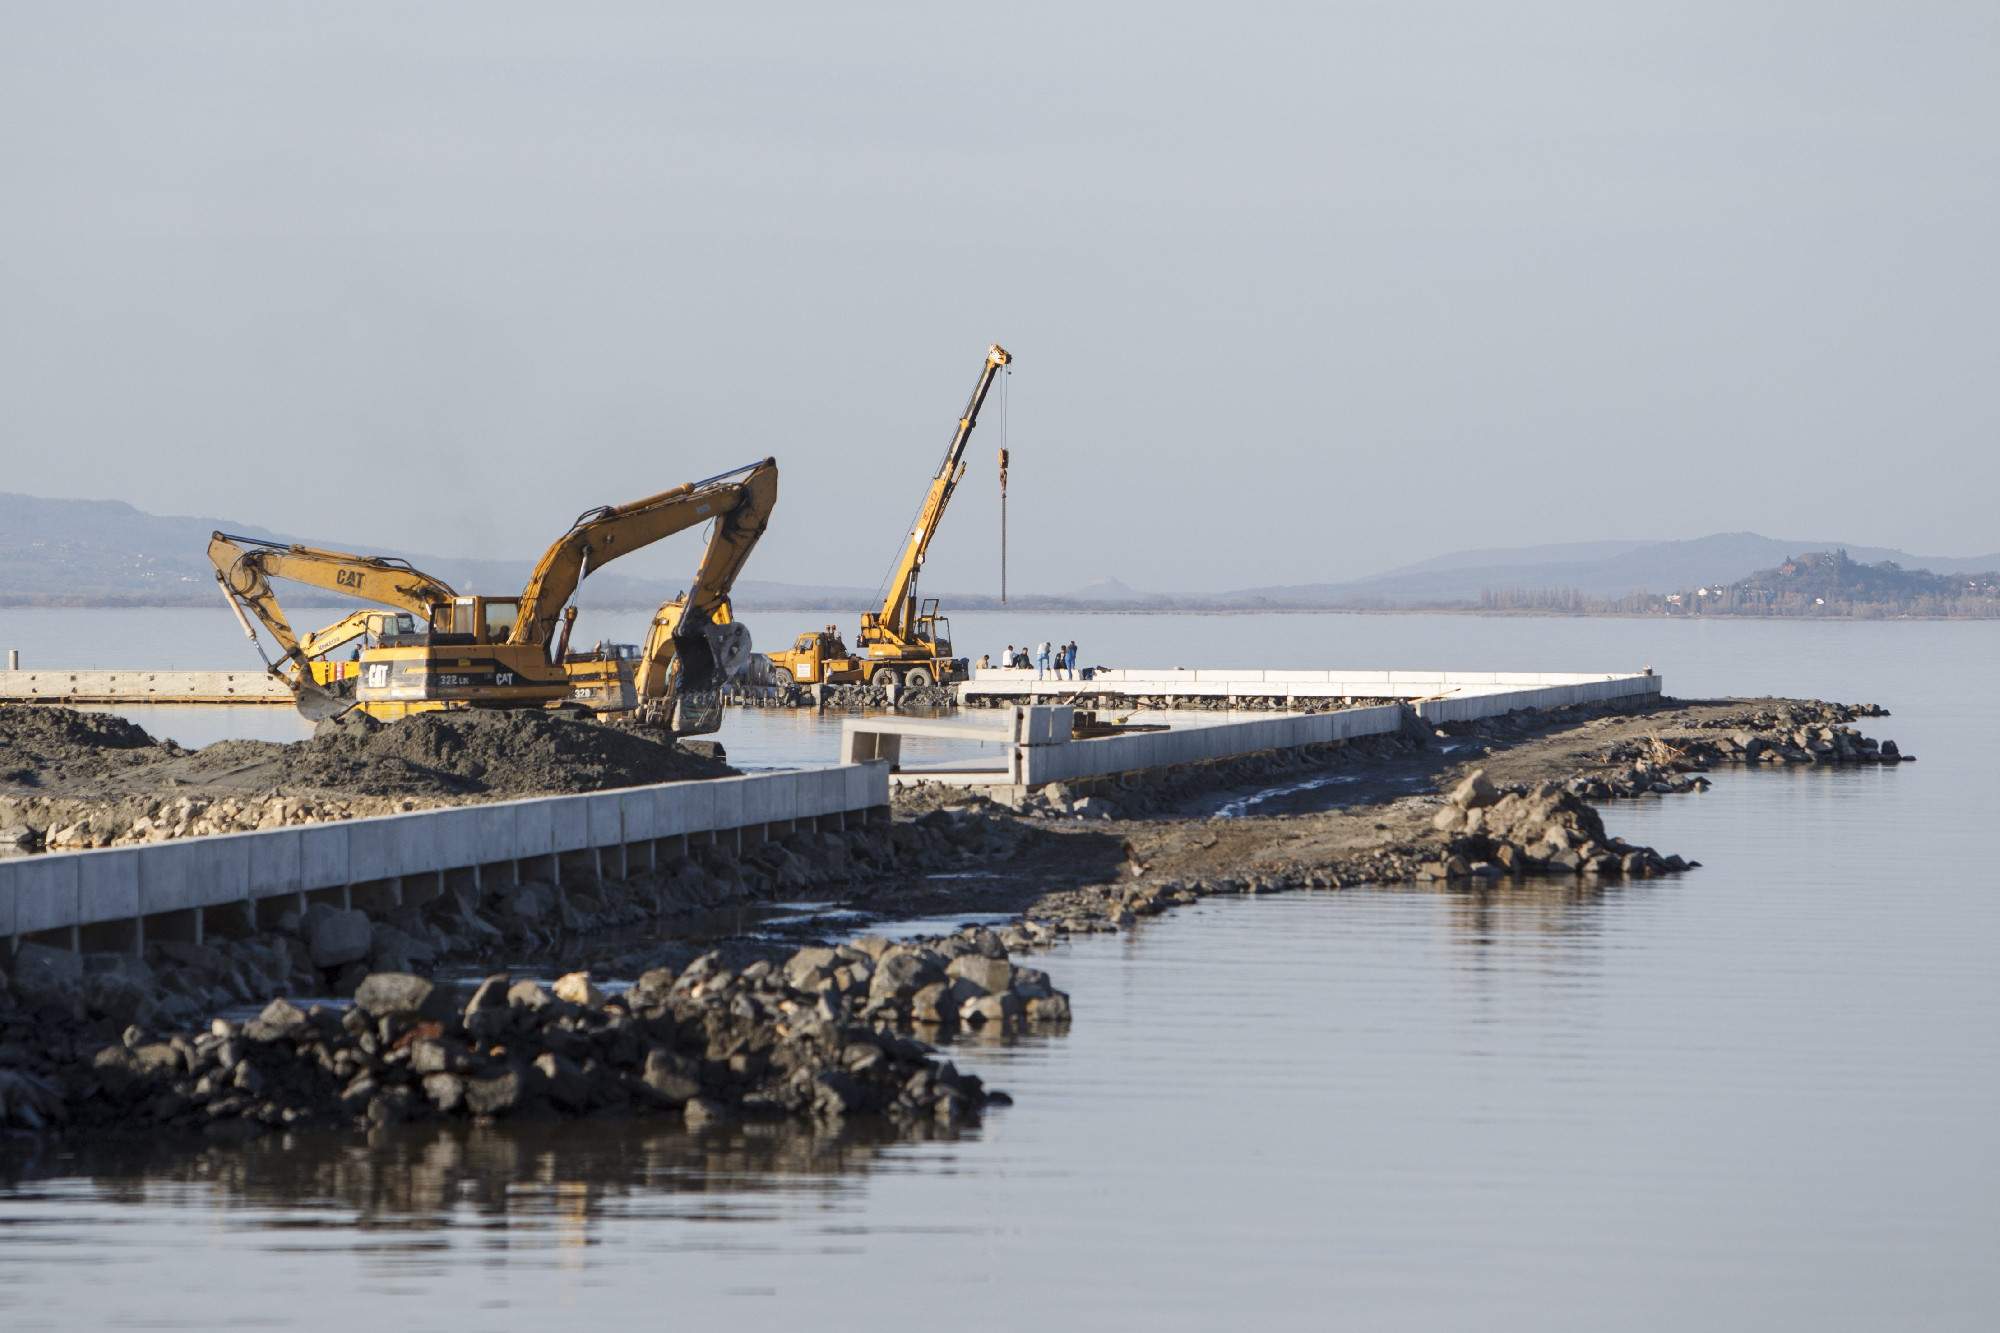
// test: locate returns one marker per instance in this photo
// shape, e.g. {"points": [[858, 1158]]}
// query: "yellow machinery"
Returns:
{"points": [[694, 642], [244, 566], [499, 652], [495, 652], [906, 642]]}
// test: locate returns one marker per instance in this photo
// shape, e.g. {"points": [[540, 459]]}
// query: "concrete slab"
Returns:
{"points": [[569, 822], [107, 883], [323, 856], [45, 893]]}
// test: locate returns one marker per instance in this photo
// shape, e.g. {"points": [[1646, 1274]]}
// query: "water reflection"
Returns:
{"points": [[553, 1179]]}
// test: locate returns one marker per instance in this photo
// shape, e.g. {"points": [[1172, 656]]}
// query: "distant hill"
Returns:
{"points": [[1594, 569], [107, 553], [1833, 583]]}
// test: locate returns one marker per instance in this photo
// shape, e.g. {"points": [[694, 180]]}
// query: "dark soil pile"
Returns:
{"points": [[59, 752], [35, 739], [514, 752]]}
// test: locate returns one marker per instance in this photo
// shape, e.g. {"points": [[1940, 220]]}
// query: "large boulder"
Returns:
{"points": [[403, 994], [1476, 792], [901, 973], [44, 976], [336, 938], [992, 976]]}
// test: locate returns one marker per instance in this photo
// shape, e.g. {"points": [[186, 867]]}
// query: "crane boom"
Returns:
{"points": [[896, 621]]}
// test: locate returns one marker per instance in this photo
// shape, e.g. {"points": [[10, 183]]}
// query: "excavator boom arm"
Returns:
{"points": [[602, 535], [245, 566], [681, 629], [903, 583]]}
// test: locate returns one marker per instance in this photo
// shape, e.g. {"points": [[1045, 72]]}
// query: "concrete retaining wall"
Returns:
{"points": [[1491, 702], [144, 687], [1190, 745], [70, 890]]}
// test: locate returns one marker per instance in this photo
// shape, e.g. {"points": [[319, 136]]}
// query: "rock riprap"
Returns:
{"points": [[816, 1036]]}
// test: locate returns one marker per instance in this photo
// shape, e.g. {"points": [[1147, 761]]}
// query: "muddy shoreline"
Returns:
{"points": [[738, 1008]]}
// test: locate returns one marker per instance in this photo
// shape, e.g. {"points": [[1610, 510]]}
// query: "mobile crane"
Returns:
{"points": [[906, 642]]}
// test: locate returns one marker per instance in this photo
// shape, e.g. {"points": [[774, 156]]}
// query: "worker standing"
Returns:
{"points": [[1069, 659], [1041, 659]]}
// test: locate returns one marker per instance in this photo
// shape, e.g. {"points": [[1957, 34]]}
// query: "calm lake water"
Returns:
{"points": [[1761, 1095]]}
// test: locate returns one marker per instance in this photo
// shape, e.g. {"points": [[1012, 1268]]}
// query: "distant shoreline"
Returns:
{"points": [[1047, 606]]}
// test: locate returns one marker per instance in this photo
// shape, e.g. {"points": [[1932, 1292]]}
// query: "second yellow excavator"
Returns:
{"points": [[245, 566]]}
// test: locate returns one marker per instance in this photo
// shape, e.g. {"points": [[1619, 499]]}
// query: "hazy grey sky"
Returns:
{"points": [[1295, 292]]}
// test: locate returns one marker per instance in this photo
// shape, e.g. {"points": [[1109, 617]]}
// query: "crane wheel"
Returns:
{"points": [[782, 677], [886, 676], [916, 678]]}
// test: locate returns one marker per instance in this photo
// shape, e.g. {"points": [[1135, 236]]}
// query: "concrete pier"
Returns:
{"points": [[113, 898], [1438, 696], [1037, 749], [142, 687]]}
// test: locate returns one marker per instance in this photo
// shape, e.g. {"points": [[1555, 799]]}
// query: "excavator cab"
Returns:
{"points": [[482, 619]]}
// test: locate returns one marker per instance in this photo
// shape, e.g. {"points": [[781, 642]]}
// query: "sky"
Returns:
{"points": [[1295, 292]]}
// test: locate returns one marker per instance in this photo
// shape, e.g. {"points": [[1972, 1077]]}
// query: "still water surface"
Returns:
{"points": [[1760, 1095]]}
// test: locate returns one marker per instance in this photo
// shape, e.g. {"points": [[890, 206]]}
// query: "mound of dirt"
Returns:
{"points": [[512, 752], [35, 740], [93, 756]]}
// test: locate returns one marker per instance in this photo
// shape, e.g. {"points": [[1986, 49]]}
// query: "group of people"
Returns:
{"points": [[1050, 661]]}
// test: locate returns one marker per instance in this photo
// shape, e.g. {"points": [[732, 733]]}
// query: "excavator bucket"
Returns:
{"points": [[316, 704], [711, 654]]}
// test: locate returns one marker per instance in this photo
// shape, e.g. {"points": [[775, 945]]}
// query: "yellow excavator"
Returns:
{"points": [[694, 642], [245, 566], [496, 652], [906, 642]]}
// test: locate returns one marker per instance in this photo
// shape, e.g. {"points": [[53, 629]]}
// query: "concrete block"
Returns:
{"points": [[728, 809], [217, 871], [323, 856], [569, 822], [367, 850], [498, 834], [454, 838], [781, 796], [275, 860], [107, 884], [46, 892], [689, 808], [9, 875], [607, 818], [864, 786], [642, 806], [1297, 677], [408, 843], [534, 827], [805, 794]]}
